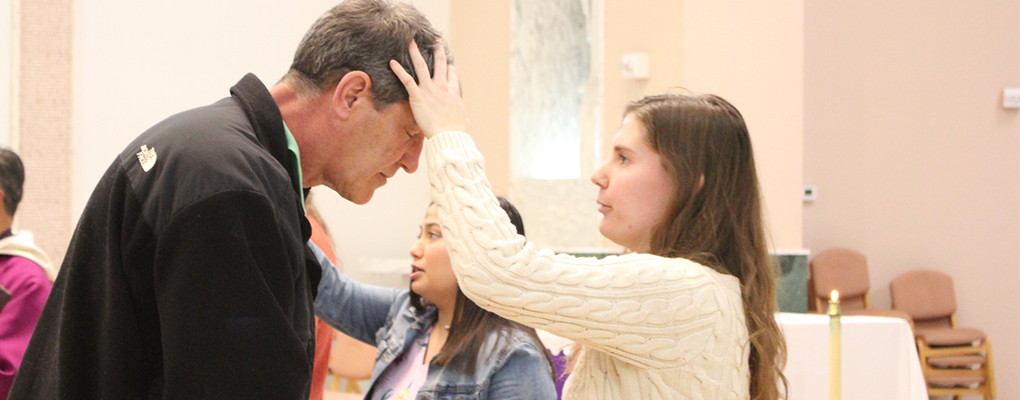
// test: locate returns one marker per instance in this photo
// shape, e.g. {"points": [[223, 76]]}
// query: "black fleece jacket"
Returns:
{"points": [[188, 280]]}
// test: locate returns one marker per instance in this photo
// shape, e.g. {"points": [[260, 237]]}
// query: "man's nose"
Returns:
{"points": [[410, 160]]}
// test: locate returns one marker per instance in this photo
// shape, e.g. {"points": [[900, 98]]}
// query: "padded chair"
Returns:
{"points": [[351, 361], [846, 271], [955, 361]]}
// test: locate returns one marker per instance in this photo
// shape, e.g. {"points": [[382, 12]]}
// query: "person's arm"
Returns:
{"points": [[524, 376], [633, 306], [27, 296], [226, 279], [356, 309]]}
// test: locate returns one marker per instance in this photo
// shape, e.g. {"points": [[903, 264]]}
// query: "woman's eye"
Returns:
{"points": [[434, 236]]}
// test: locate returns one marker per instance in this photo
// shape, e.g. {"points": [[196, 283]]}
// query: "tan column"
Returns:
{"points": [[42, 120]]}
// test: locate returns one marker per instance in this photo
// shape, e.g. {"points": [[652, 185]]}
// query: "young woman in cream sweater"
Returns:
{"points": [[688, 312]]}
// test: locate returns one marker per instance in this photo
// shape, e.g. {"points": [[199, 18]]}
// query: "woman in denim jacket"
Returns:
{"points": [[472, 353]]}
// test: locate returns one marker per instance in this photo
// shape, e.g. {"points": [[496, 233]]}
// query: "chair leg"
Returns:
{"points": [[335, 384], [352, 387], [990, 378]]}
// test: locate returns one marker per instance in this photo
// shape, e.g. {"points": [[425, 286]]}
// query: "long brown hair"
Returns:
{"points": [[473, 325], [715, 218]]}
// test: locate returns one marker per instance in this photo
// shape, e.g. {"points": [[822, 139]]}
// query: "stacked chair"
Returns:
{"points": [[846, 271], [955, 361]]}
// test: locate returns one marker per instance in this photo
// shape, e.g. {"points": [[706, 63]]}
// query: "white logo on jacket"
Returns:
{"points": [[147, 157]]}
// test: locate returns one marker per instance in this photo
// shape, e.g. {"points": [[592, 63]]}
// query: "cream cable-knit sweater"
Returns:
{"points": [[649, 327]]}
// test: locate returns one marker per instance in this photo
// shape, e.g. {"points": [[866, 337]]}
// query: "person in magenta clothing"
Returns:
{"points": [[24, 272]]}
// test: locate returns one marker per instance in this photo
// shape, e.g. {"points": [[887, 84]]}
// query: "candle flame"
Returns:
{"points": [[834, 296]]}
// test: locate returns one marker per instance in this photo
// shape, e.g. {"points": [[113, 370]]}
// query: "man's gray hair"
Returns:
{"points": [[12, 177], [363, 35]]}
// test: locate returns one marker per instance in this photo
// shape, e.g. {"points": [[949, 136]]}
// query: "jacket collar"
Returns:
{"points": [[408, 327], [420, 320], [267, 122]]}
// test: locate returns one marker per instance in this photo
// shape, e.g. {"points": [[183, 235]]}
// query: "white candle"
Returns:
{"points": [[835, 392]]}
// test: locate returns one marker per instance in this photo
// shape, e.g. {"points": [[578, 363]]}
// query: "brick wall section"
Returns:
{"points": [[44, 115]]}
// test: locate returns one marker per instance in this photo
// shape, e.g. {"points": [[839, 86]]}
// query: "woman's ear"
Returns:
{"points": [[354, 90]]}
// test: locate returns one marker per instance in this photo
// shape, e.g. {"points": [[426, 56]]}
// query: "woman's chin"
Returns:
{"points": [[417, 287], [609, 233], [603, 229]]}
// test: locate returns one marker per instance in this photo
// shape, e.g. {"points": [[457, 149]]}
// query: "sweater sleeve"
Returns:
{"points": [[646, 310]]}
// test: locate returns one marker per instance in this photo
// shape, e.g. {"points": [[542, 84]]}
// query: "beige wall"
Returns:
{"points": [[752, 54], [631, 27], [480, 39], [748, 52], [916, 162]]}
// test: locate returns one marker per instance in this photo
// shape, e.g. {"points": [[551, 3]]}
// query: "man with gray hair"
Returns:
{"points": [[187, 276], [25, 274]]}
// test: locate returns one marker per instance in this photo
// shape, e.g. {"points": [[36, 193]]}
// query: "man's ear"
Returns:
{"points": [[354, 90]]}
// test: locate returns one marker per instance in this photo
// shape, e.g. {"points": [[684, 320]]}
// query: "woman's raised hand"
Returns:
{"points": [[435, 100]]}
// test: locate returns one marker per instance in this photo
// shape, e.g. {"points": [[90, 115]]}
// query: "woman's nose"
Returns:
{"points": [[416, 249], [599, 177]]}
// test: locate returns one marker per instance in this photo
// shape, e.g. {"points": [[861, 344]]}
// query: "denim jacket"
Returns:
{"points": [[384, 317]]}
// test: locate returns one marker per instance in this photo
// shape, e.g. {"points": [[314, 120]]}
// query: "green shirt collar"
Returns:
{"points": [[295, 159]]}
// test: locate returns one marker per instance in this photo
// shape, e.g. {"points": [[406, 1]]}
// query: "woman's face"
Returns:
{"points": [[635, 190], [431, 274]]}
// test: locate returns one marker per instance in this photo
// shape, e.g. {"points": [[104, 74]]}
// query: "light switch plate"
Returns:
{"points": [[1011, 97]]}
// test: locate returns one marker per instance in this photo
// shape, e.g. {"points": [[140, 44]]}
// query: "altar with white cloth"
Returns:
{"points": [[879, 358]]}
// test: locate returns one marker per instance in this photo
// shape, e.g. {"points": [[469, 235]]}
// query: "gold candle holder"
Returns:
{"points": [[835, 340]]}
